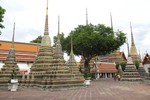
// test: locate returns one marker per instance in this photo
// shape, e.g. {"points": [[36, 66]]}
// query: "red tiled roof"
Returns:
{"points": [[25, 52], [26, 47], [146, 59], [23, 70], [115, 56], [103, 67]]}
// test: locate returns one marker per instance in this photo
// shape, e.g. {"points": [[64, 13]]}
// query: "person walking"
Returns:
{"points": [[118, 76]]}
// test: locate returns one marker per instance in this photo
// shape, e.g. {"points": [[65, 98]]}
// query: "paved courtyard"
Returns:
{"points": [[103, 89]]}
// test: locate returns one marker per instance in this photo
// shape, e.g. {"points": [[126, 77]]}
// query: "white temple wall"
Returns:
{"points": [[146, 66], [1, 65], [22, 66]]}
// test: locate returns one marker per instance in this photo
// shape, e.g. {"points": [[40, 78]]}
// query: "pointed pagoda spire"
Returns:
{"points": [[111, 21], [46, 38], [71, 58], [86, 17], [58, 49], [10, 63], [58, 35], [11, 57], [12, 46], [127, 46], [133, 50], [12, 51], [46, 32], [132, 39], [71, 45]]}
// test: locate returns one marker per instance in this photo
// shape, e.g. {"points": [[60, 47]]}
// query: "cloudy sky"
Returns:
{"points": [[29, 16]]}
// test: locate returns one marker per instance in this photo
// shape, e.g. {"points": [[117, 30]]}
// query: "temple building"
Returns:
{"points": [[25, 53], [104, 70], [146, 62], [114, 57], [133, 51], [108, 61]]}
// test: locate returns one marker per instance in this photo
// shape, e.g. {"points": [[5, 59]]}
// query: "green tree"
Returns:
{"points": [[123, 65], [93, 40], [37, 40], [2, 12], [61, 36], [137, 64]]}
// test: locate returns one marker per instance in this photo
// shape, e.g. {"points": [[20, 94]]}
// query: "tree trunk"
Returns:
{"points": [[86, 63], [87, 68]]}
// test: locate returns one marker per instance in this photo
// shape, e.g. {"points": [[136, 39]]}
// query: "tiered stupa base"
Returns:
{"points": [[7, 74], [142, 71], [147, 78], [49, 72], [130, 73], [52, 82]]}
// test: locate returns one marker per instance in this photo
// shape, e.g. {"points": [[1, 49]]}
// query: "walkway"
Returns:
{"points": [[103, 89]]}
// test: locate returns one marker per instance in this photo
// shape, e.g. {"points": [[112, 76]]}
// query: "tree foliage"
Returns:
{"points": [[90, 41], [37, 40], [93, 40], [123, 65], [137, 64], [2, 12], [61, 36]]}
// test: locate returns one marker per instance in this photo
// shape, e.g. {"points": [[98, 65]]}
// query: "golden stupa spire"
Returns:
{"points": [[132, 38], [133, 51]]}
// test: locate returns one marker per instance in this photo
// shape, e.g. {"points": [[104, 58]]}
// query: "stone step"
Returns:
{"points": [[131, 79]]}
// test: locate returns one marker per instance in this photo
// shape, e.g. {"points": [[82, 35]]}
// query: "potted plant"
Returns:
{"points": [[13, 85], [13, 77], [87, 76]]}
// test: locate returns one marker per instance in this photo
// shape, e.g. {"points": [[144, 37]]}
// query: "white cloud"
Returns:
{"points": [[146, 40], [29, 16]]}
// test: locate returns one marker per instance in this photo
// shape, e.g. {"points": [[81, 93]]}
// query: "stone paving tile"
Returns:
{"points": [[103, 89]]}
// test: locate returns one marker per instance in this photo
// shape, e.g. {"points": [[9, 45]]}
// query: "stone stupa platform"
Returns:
{"points": [[130, 73], [49, 71]]}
